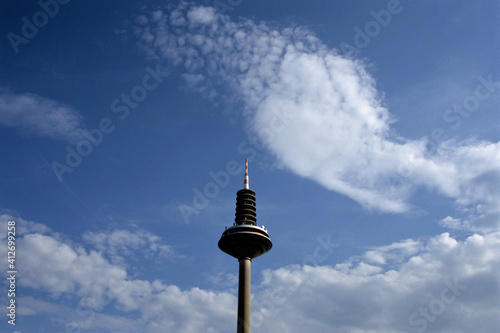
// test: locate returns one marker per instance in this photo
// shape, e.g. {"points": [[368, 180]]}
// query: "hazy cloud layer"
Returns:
{"points": [[438, 284], [320, 113], [40, 116]]}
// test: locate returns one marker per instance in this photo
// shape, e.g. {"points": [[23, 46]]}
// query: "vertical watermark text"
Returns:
{"points": [[11, 271]]}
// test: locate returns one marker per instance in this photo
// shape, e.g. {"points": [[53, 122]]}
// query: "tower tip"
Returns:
{"points": [[246, 184]]}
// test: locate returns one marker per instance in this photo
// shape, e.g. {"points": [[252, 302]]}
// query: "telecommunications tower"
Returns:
{"points": [[245, 241]]}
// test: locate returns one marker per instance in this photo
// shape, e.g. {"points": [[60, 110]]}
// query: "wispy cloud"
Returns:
{"points": [[121, 245], [318, 112], [40, 116]]}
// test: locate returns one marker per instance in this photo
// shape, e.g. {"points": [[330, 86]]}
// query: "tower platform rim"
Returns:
{"points": [[246, 226]]}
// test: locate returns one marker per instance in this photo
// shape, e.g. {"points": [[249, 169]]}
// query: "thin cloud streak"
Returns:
{"points": [[40, 116]]}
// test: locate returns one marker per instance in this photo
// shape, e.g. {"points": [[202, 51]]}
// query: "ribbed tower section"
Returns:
{"points": [[245, 241], [246, 213]]}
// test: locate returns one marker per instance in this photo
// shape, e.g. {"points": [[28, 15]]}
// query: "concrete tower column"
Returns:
{"points": [[244, 296]]}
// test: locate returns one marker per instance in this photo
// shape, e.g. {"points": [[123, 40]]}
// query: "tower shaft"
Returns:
{"points": [[244, 296]]}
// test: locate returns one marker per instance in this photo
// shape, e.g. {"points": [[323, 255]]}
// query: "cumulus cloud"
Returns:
{"points": [[60, 268], [320, 113], [437, 288], [396, 252], [40, 116], [97, 282], [439, 284], [75, 270]]}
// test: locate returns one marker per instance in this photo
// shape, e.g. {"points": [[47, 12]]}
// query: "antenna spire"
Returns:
{"points": [[246, 184]]}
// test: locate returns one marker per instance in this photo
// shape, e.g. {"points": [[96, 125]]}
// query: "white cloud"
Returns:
{"points": [[452, 223], [122, 244], [201, 15], [81, 319], [396, 252], [61, 268], [41, 116], [24, 226], [86, 274], [321, 114], [438, 285], [359, 297]]}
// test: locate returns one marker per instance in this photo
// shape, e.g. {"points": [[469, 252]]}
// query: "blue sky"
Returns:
{"points": [[372, 133]]}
